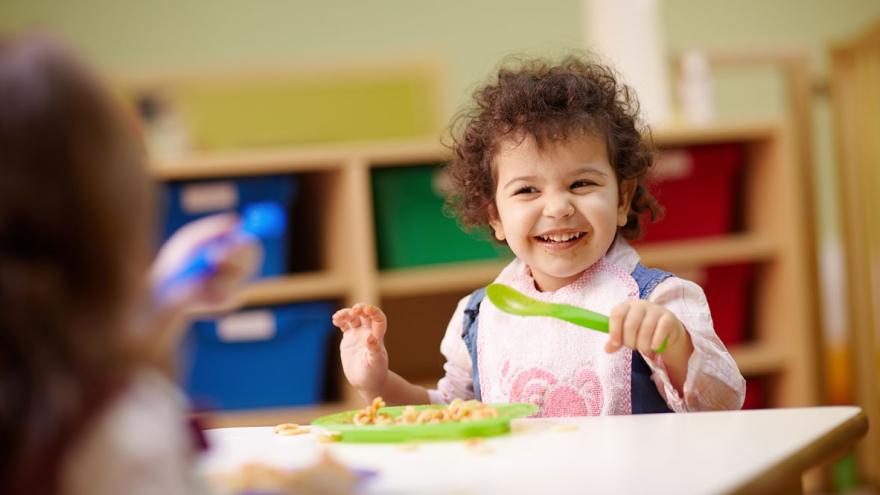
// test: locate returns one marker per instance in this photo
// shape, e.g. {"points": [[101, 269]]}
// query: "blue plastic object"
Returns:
{"points": [[190, 200], [263, 220], [260, 220], [284, 368]]}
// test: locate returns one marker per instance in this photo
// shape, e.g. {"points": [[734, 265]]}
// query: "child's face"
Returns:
{"points": [[558, 209]]}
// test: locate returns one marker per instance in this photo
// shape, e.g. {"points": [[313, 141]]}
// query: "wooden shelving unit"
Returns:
{"points": [[336, 183]]}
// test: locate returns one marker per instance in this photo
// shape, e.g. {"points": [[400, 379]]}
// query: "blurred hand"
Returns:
{"points": [[161, 321], [234, 257], [363, 353]]}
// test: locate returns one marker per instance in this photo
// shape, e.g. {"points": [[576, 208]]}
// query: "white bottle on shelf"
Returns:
{"points": [[628, 34], [695, 94]]}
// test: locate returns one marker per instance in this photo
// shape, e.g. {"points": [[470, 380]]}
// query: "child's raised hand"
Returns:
{"points": [[643, 326], [234, 260], [364, 357]]}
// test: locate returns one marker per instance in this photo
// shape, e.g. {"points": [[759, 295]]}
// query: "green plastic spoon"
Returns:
{"points": [[511, 301]]}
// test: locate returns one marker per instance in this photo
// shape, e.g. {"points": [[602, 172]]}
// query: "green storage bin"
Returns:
{"points": [[411, 227]]}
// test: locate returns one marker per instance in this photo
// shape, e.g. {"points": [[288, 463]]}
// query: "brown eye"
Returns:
{"points": [[583, 183]]}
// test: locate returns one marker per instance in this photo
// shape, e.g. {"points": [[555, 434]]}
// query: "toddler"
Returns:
{"points": [[551, 158]]}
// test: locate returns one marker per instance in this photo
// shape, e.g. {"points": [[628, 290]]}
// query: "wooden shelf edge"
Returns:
{"points": [[292, 288], [244, 163], [716, 250], [721, 132], [435, 279], [273, 416], [298, 159], [405, 152], [758, 359]]}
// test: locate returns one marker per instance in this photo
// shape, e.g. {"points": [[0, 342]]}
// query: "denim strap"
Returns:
{"points": [[469, 334], [646, 398]]}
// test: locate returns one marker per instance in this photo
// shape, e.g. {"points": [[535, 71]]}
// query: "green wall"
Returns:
{"points": [[470, 36]]}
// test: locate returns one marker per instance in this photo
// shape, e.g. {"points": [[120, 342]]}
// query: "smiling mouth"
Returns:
{"points": [[560, 238]]}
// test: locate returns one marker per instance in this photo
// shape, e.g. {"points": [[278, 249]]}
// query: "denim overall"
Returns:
{"points": [[645, 396]]}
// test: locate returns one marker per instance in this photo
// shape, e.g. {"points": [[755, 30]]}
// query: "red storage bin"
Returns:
{"points": [[727, 289], [698, 188], [756, 393]]}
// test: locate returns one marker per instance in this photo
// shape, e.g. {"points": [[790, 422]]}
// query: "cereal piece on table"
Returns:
{"points": [[565, 427], [288, 429], [407, 447], [252, 476], [477, 446]]}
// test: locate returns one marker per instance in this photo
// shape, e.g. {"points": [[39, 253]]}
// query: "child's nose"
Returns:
{"points": [[558, 206]]}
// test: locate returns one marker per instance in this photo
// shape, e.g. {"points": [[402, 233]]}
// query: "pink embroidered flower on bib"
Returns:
{"points": [[579, 396]]}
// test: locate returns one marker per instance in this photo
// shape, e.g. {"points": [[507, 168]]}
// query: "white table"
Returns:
{"points": [[761, 451]]}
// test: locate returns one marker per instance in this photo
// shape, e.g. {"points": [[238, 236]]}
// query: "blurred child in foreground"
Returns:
{"points": [[84, 407]]}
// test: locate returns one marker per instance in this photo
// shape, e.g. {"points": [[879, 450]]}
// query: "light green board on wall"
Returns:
{"points": [[306, 107]]}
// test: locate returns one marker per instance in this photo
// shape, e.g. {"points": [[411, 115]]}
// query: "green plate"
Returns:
{"points": [[342, 423]]}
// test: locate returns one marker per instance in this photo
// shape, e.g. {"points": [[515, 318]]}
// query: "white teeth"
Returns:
{"points": [[560, 237]]}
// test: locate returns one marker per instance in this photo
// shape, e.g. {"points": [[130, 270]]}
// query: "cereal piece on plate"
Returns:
{"points": [[329, 436]]}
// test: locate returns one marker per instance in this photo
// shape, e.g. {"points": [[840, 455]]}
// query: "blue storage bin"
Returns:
{"points": [[263, 357], [190, 200]]}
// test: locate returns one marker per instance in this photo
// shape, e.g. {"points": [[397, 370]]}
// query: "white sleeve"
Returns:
{"points": [[458, 380], [713, 380]]}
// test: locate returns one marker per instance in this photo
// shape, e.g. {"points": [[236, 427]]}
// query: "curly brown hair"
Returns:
{"points": [[549, 101]]}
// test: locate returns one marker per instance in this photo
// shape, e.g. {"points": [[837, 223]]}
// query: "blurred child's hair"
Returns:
{"points": [[551, 102], [75, 207]]}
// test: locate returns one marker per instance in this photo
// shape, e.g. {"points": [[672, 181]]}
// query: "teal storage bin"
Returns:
{"points": [[411, 227]]}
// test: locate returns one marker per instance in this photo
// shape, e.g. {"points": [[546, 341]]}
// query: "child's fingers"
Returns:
{"points": [[342, 319], [359, 315], [339, 315], [631, 324], [372, 350], [356, 321], [615, 327], [240, 261], [647, 332], [378, 323], [666, 327], [611, 346]]}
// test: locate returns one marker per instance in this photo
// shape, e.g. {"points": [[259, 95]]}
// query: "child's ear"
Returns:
{"points": [[627, 190], [495, 223]]}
